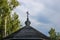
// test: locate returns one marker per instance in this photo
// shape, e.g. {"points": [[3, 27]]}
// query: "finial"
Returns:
{"points": [[27, 21], [27, 14]]}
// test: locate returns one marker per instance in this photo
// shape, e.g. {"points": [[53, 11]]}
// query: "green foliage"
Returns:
{"points": [[58, 36], [52, 33], [6, 21], [14, 3], [15, 22]]}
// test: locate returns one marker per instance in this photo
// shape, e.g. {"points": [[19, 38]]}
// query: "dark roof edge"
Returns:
{"points": [[11, 35], [41, 33]]}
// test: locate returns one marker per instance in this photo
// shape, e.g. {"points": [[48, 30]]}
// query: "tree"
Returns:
{"points": [[58, 35], [52, 34], [15, 22], [1, 28], [8, 25], [6, 6]]}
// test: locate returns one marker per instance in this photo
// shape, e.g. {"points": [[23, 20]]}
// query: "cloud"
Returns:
{"points": [[31, 6], [44, 14]]}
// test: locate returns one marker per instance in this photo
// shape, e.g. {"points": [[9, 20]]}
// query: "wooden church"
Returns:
{"points": [[27, 32]]}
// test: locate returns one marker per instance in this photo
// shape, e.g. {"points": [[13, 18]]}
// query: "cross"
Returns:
{"points": [[27, 14]]}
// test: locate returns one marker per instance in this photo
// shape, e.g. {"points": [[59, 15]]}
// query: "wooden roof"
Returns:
{"points": [[27, 32]]}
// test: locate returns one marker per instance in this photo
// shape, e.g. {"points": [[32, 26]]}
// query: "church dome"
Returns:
{"points": [[27, 23]]}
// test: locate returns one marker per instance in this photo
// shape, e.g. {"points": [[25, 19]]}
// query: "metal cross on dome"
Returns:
{"points": [[27, 14]]}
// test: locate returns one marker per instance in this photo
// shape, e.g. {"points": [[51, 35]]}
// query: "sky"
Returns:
{"points": [[43, 14]]}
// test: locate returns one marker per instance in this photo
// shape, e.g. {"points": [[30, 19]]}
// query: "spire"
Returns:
{"points": [[27, 22], [27, 14]]}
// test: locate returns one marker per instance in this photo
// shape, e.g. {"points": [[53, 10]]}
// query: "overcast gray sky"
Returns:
{"points": [[44, 14]]}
